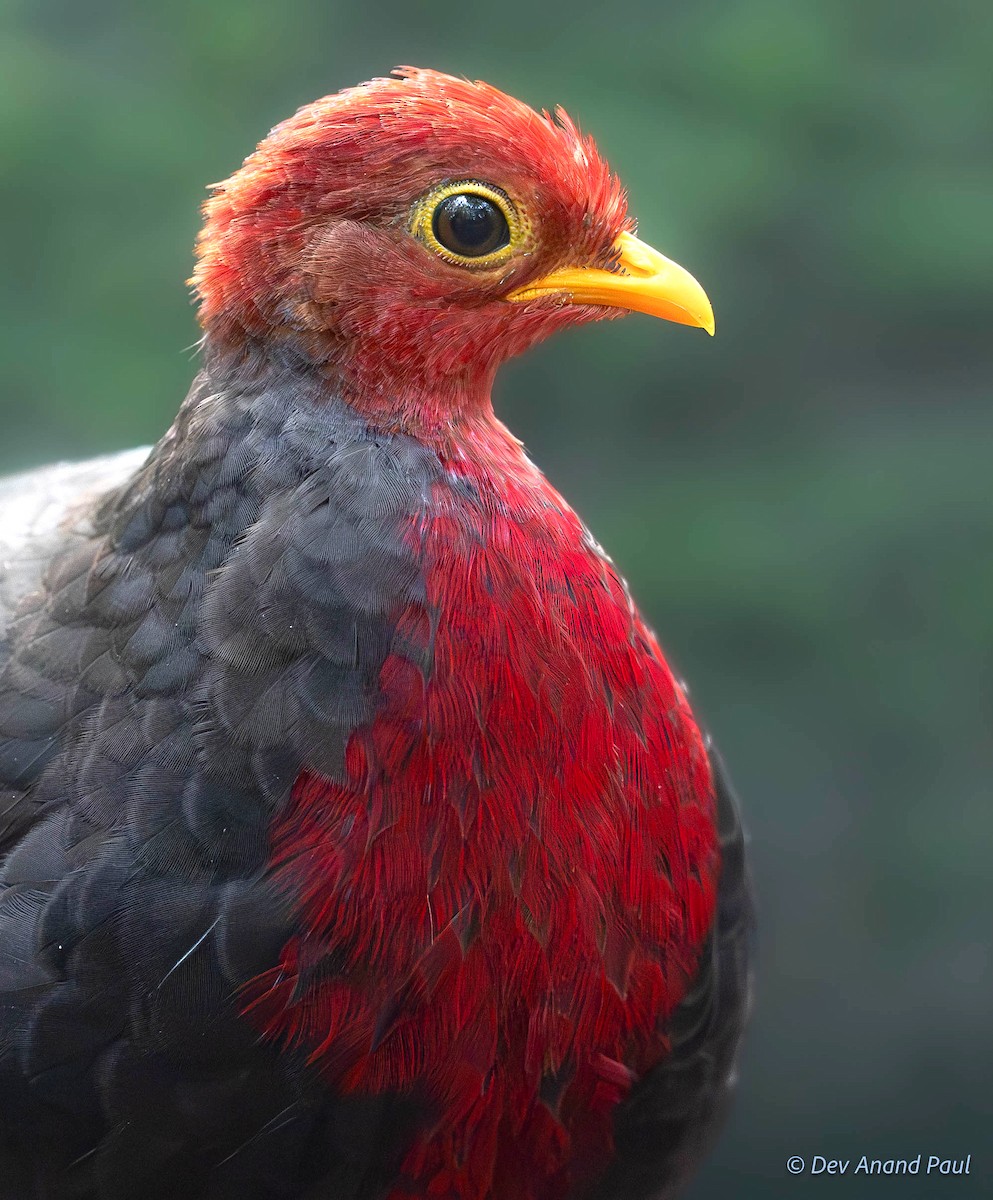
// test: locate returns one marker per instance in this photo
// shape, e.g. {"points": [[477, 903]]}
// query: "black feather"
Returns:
{"points": [[175, 656]]}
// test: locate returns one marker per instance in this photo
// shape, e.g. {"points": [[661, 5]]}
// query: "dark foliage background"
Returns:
{"points": [[804, 505]]}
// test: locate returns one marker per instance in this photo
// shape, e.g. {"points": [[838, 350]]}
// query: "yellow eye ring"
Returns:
{"points": [[469, 224]]}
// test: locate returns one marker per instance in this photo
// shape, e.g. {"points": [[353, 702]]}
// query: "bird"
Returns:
{"points": [[357, 841]]}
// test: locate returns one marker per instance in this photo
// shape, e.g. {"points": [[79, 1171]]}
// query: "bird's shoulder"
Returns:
{"points": [[45, 509]]}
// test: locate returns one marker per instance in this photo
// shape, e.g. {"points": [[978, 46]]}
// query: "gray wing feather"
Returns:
{"points": [[41, 510]]}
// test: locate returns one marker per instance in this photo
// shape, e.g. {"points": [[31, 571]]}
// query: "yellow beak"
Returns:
{"points": [[644, 281]]}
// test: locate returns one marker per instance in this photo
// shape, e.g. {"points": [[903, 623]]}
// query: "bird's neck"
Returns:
{"points": [[440, 403], [437, 410]]}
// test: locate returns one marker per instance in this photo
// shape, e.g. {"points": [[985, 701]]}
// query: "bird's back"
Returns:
{"points": [[43, 509]]}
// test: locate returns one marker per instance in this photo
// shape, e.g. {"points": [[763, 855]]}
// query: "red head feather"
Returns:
{"points": [[310, 242]]}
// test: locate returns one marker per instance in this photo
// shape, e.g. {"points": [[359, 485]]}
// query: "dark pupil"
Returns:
{"points": [[470, 225]]}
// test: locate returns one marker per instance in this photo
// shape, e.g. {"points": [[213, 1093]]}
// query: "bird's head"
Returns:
{"points": [[408, 235]]}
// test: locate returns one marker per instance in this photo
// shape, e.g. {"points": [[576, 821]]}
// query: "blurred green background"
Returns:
{"points": [[804, 506]]}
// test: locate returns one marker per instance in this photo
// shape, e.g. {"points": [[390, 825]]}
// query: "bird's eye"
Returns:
{"points": [[468, 223]]}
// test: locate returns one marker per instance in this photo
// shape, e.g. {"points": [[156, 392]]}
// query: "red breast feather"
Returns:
{"points": [[516, 882]]}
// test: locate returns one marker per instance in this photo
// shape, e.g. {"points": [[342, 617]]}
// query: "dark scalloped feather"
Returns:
{"points": [[174, 654]]}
